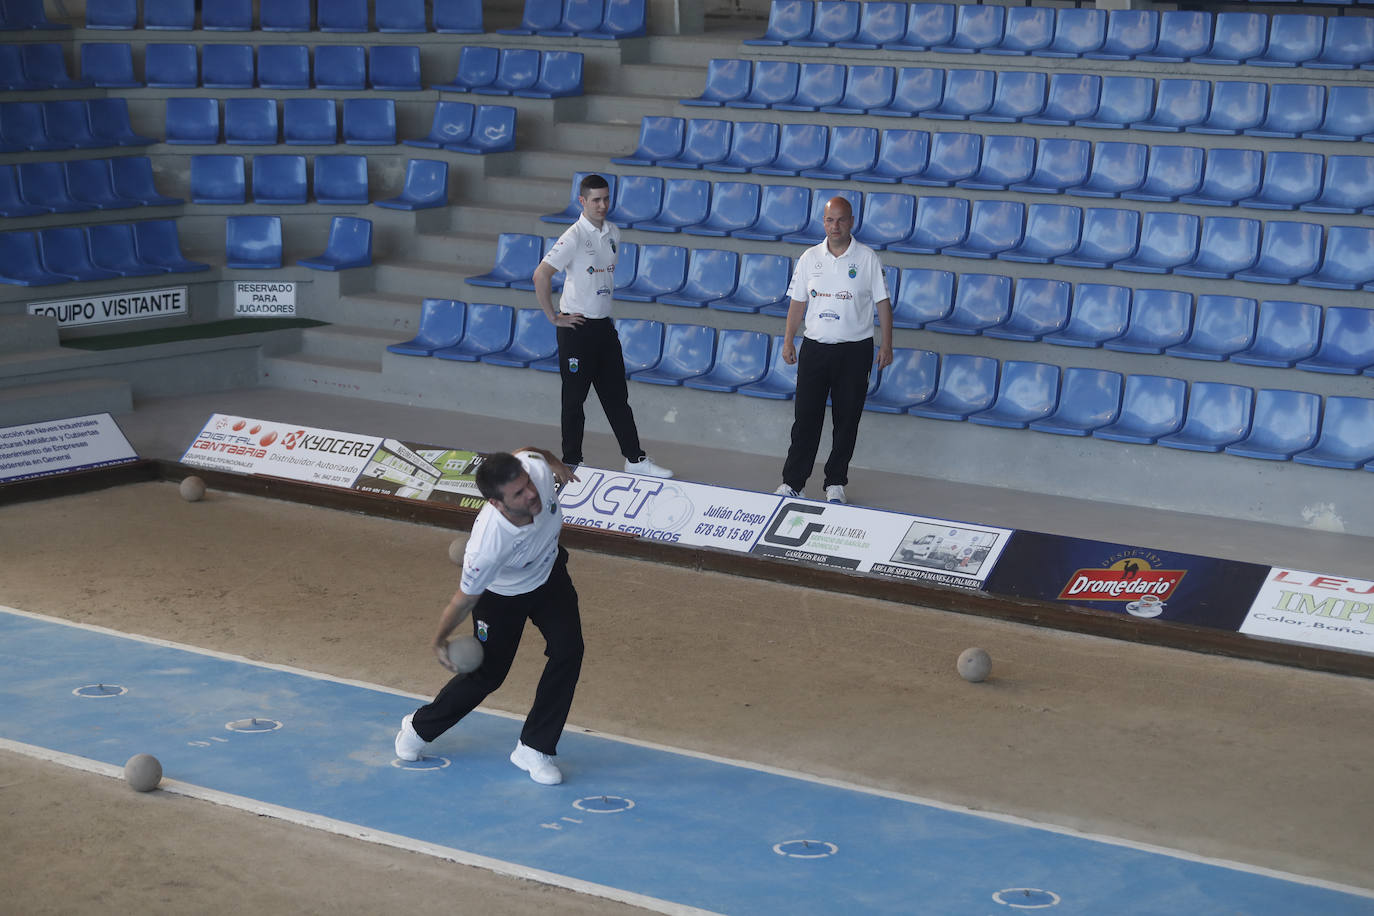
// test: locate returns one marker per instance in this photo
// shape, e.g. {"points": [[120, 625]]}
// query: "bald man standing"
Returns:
{"points": [[836, 287]]}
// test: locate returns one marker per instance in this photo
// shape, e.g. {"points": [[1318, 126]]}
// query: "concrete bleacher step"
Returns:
{"points": [[325, 374], [24, 333], [356, 344], [67, 398], [392, 313]]}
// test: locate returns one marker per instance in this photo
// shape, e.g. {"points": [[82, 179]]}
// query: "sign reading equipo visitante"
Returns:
{"points": [[147, 303]]}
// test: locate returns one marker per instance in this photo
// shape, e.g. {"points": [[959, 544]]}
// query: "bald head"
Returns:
{"points": [[839, 221]]}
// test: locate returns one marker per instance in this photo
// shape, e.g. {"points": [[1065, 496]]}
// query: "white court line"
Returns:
{"points": [[744, 764]]}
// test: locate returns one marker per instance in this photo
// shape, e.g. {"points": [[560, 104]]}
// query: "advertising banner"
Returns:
{"points": [[147, 303], [417, 471], [887, 544], [1330, 611], [1137, 581], [246, 446], [62, 446]]}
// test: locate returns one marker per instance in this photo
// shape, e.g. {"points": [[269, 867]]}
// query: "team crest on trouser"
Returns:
{"points": [[572, 363], [481, 631]]}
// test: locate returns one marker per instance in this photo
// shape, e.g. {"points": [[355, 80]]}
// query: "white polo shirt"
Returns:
{"points": [[841, 293], [588, 255], [512, 559]]}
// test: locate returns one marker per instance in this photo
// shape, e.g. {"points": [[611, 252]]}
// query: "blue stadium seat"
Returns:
{"points": [[779, 381], [1349, 115], [641, 343], [1288, 252], [45, 66], [623, 19], [1237, 106], [1052, 231], [967, 92], [341, 179], [1294, 109], [1286, 333], [1346, 263], [426, 186], [279, 179], [452, 123], [218, 179], [133, 178], [923, 296], [171, 66], [1151, 406], [108, 66], [753, 144], [638, 198], [112, 14], [340, 67], [573, 210], [818, 85], [774, 82], [343, 16], [1218, 416], [560, 75], [112, 248], [1099, 313], [1348, 185], [12, 68], [11, 203], [1109, 235], [157, 244], [1059, 164], [284, 66], [1026, 392], [395, 68], [493, 131], [1072, 97], [21, 126], [852, 150], [66, 251], [1229, 176], [1347, 342], [109, 121], [309, 122], [918, 89], [66, 124], [866, 90], [27, 14], [953, 157], [711, 274], [476, 67], [901, 154], [976, 28], [706, 140], [1167, 241], [538, 16], [689, 350], [1293, 40], [783, 209], [887, 218], [686, 201], [1077, 31], [762, 281], [193, 121], [89, 182], [1038, 307], [1019, 94], [928, 25], [533, 340], [1284, 423], [734, 207], [941, 222], [626, 259], [1226, 246], [1183, 34], [442, 322], [727, 80], [227, 16], [44, 184], [966, 385], [517, 255], [285, 16], [1179, 103], [834, 21], [578, 16], [660, 138], [1088, 399], [1130, 34], [1222, 325], [814, 231], [908, 381], [788, 20], [1124, 100], [1348, 43], [349, 245], [981, 301], [881, 22], [1027, 29], [662, 271], [461, 17], [1174, 171], [401, 16], [487, 329], [250, 121], [1006, 160], [1236, 38], [741, 359], [1160, 318], [372, 122], [227, 66], [20, 264], [994, 226], [516, 68], [1347, 435]]}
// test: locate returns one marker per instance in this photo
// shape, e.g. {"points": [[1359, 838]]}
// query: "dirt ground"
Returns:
{"points": [[1256, 763]]}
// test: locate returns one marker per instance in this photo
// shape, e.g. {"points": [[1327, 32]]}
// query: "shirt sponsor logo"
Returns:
{"points": [[844, 294], [853, 271]]}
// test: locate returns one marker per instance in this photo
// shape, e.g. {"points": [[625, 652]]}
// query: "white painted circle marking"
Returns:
{"points": [[603, 804], [253, 725], [425, 764], [1040, 899], [100, 691], [805, 849]]}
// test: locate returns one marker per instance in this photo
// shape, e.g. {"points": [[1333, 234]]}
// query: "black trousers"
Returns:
{"points": [[552, 607], [589, 356], [838, 372]]}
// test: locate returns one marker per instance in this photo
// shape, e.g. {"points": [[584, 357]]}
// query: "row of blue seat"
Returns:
{"points": [[67, 124], [36, 66], [1172, 36], [1272, 424], [1278, 333], [600, 19], [255, 243], [462, 16], [523, 72], [40, 188], [337, 180], [96, 252], [1343, 112], [26, 14], [1221, 176]]}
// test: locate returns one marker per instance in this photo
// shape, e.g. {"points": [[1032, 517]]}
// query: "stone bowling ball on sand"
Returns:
{"points": [[974, 665], [143, 772], [466, 654], [192, 489]]}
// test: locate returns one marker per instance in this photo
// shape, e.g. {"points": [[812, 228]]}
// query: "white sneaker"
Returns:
{"points": [[408, 743], [647, 467], [835, 493], [790, 493], [540, 766]]}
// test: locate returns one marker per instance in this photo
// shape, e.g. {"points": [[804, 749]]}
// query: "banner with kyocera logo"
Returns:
{"points": [[246, 446]]}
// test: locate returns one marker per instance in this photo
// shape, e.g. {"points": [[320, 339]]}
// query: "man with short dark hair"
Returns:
{"points": [[589, 353], [513, 570]]}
